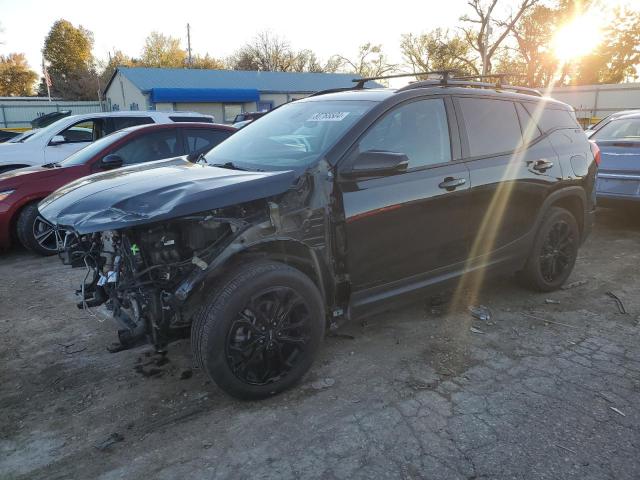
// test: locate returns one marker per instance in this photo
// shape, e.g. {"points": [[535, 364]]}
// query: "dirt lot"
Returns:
{"points": [[413, 393]]}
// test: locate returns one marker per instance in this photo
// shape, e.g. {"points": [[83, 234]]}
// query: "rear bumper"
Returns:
{"points": [[615, 200]]}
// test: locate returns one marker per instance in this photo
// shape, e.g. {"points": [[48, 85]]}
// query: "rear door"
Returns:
{"points": [[402, 229], [511, 175]]}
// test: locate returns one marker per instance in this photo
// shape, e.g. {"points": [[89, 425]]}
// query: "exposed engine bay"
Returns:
{"points": [[135, 273]]}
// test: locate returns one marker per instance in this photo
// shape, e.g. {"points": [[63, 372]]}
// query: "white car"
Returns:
{"points": [[57, 141]]}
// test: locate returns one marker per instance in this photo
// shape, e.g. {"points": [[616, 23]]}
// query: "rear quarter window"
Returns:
{"points": [[551, 118]]}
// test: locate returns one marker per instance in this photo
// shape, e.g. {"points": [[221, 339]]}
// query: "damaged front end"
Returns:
{"points": [[143, 275]]}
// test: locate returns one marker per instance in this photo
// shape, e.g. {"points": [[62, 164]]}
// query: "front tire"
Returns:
{"points": [[260, 331], [554, 251], [35, 233]]}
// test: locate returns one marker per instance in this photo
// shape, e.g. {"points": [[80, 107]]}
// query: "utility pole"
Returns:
{"points": [[189, 44]]}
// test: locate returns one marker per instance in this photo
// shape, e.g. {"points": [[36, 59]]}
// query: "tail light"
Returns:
{"points": [[596, 152]]}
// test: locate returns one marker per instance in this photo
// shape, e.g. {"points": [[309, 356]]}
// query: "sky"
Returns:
{"points": [[327, 27], [219, 27]]}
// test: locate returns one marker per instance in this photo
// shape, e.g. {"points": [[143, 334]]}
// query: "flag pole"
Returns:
{"points": [[47, 80]]}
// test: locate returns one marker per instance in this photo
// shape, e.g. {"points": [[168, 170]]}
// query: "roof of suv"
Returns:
{"points": [[380, 94]]}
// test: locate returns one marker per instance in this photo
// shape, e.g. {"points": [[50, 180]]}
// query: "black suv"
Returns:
{"points": [[331, 207]]}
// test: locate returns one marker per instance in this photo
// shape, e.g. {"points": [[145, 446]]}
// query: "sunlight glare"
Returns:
{"points": [[578, 38]]}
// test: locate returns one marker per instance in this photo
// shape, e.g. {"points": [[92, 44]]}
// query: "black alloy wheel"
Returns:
{"points": [[268, 336], [554, 251], [558, 251], [260, 328]]}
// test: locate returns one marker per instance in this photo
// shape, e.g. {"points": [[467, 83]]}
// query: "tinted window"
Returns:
{"points": [[191, 119], [202, 139], [124, 122], [550, 118], [417, 129], [529, 127], [492, 126], [626, 128], [149, 147]]}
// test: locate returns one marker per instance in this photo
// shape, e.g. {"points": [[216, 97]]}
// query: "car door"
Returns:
{"points": [[510, 175], [73, 138], [150, 146], [201, 140], [403, 228]]}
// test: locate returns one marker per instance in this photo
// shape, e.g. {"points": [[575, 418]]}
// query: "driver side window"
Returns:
{"points": [[149, 147], [85, 131], [418, 129]]}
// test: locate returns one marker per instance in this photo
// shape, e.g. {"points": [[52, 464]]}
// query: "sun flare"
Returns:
{"points": [[578, 37]]}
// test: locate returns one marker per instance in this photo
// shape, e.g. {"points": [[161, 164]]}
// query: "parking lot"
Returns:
{"points": [[549, 388]]}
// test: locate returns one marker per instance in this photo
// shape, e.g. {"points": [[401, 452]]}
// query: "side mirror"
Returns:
{"points": [[57, 140], [376, 163], [111, 161]]}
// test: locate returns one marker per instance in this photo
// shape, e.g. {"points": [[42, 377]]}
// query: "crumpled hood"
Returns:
{"points": [[155, 191]]}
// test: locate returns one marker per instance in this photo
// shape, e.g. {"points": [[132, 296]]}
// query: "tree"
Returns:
{"points": [[487, 34], [16, 78], [207, 62], [67, 49], [438, 50], [163, 51], [270, 53], [369, 62], [116, 59], [616, 57]]}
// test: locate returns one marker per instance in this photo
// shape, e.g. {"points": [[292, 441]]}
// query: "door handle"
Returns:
{"points": [[542, 165], [451, 183]]}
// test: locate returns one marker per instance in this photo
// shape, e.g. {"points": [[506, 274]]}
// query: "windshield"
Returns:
{"points": [[623, 129], [23, 136], [42, 132], [292, 136], [84, 155]]}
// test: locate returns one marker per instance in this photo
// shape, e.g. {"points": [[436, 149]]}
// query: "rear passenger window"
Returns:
{"points": [[492, 126], [124, 122], [551, 118], [417, 129]]}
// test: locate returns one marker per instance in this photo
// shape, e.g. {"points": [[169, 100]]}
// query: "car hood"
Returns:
{"points": [[28, 174], [622, 156], [155, 191]]}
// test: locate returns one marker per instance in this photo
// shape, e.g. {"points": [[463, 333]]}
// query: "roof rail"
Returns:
{"points": [[331, 90], [446, 74], [466, 81]]}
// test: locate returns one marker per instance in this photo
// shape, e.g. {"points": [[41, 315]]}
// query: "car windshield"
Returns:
{"points": [[292, 136], [622, 129], [83, 156], [52, 129]]}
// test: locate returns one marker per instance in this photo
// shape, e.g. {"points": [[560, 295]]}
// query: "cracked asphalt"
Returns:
{"points": [[549, 390]]}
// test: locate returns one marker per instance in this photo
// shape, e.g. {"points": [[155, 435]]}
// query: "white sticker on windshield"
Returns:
{"points": [[328, 117]]}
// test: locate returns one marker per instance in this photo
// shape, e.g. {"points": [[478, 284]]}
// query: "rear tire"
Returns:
{"points": [[35, 233], [554, 252], [260, 331]]}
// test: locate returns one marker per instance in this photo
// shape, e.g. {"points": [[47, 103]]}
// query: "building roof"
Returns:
{"points": [[147, 79]]}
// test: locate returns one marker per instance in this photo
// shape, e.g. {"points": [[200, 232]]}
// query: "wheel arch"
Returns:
{"points": [[289, 251], [573, 199]]}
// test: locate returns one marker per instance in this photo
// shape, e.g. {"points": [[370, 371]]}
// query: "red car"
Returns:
{"points": [[22, 189]]}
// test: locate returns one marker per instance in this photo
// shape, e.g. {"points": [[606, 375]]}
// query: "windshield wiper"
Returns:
{"points": [[229, 165]]}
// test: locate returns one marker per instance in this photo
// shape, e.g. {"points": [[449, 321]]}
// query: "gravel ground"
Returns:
{"points": [[548, 390]]}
